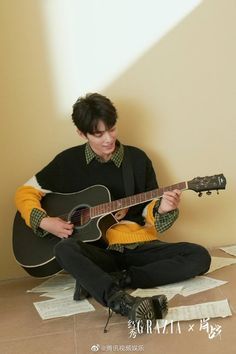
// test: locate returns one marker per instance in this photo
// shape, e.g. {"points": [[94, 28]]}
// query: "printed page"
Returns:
{"points": [[62, 307], [169, 293], [220, 262], [200, 284], [59, 294], [195, 285], [199, 311], [229, 249], [57, 282]]}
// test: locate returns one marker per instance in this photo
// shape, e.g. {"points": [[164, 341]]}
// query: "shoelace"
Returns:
{"points": [[110, 312]]}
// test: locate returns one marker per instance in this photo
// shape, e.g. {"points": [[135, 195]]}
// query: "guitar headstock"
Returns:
{"points": [[208, 183]]}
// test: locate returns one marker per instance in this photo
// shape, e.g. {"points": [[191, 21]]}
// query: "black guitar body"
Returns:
{"points": [[36, 254]]}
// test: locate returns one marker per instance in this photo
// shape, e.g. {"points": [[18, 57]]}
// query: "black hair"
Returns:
{"points": [[90, 109]]}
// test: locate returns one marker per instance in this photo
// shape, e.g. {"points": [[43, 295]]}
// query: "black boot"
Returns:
{"points": [[138, 308], [122, 279], [80, 293]]}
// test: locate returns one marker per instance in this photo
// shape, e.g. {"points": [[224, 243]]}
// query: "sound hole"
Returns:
{"points": [[80, 216]]}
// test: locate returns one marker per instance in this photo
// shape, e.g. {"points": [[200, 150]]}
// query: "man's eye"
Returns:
{"points": [[97, 135]]}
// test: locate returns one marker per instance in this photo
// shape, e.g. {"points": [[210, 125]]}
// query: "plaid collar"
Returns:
{"points": [[117, 156]]}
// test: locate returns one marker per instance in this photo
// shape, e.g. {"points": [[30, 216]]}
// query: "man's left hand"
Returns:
{"points": [[169, 201]]}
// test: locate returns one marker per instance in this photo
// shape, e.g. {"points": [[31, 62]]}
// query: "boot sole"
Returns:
{"points": [[149, 309], [160, 305]]}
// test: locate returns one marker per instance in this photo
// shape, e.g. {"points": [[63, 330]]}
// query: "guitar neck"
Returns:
{"points": [[136, 199]]}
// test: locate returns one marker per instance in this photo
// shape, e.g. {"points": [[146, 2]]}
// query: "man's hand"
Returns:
{"points": [[169, 201], [57, 226]]}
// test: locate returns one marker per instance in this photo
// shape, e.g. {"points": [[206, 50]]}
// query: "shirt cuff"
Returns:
{"points": [[36, 217], [163, 222]]}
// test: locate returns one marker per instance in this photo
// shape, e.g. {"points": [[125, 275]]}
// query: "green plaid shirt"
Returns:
{"points": [[117, 156], [162, 221]]}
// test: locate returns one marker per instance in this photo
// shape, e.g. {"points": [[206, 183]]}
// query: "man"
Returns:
{"points": [[132, 256]]}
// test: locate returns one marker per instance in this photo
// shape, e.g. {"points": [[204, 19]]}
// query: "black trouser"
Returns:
{"points": [[151, 264]]}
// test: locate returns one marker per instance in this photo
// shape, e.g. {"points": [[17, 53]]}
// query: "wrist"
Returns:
{"points": [[158, 209], [43, 221], [36, 217], [161, 211]]}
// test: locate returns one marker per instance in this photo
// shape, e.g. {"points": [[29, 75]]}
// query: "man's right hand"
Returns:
{"points": [[57, 226]]}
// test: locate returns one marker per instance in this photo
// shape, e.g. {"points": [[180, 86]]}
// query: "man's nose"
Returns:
{"points": [[108, 136]]}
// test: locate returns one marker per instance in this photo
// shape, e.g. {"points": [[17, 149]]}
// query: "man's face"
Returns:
{"points": [[103, 140]]}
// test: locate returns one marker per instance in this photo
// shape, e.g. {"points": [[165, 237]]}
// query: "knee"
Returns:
{"points": [[207, 260], [65, 247], [203, 257]]}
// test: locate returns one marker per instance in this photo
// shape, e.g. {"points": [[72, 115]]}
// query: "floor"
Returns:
{"points": [[22, 331]]}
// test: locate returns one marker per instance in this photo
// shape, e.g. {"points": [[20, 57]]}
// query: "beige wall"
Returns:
{"points": [[176, 102]]}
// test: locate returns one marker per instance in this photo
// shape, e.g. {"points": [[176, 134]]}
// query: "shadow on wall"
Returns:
{"points": [[177, 103], [178, 98]]}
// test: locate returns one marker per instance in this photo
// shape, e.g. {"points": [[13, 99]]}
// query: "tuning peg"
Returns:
{"points": [[208, 193], [200, 194]]}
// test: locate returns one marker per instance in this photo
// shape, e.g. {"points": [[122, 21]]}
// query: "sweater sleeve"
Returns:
{"points": [[162, 222], [27, 198]]}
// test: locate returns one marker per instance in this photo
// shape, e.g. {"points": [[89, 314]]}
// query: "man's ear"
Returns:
{"points": [[81, 134]]}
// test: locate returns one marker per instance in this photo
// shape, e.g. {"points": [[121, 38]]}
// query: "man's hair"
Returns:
{"points": [[89, 110]]}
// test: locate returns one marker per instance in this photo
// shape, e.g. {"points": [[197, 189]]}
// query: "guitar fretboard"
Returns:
{"points": [[136, 199]]}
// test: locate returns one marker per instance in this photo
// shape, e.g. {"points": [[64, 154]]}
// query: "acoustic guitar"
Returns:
{"points": [[91, 220]]}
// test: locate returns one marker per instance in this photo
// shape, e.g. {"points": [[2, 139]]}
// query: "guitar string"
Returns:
{"points": [[104, 208], [118, 204]]}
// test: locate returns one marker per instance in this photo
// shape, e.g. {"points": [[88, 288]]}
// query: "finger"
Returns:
{"points": [[64, 234], [173, 196], [171, 202], [176, 193], [170, 198], [67, 225], [68, 231]]}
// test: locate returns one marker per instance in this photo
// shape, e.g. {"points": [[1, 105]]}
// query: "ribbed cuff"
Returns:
{"points": [[164, 221], [36, 217]]}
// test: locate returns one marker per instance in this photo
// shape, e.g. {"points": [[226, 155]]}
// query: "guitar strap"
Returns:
{"points": [[128, 173]]}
